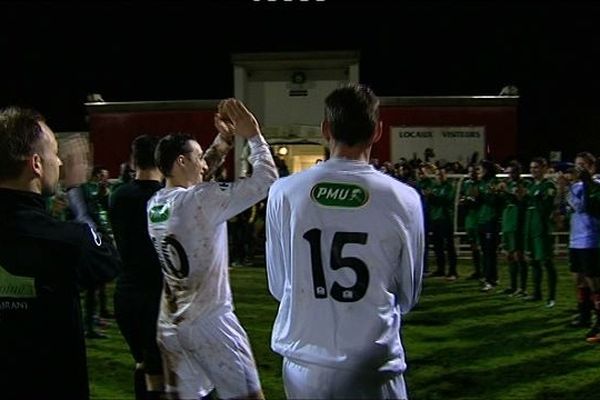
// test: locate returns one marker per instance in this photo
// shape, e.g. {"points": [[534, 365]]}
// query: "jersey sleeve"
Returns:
{"points": [[215, 155], [100, 261], [221, 201], [277, 234], [76, 198], [410, 269]]}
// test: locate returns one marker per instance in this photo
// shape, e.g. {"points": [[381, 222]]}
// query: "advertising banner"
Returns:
{"points": [[450, 143]]}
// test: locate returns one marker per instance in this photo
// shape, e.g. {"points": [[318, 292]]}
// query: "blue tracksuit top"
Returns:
{"points": [[585, 232]]}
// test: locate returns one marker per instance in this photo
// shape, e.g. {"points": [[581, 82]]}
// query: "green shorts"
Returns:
{"points": [[513, 241], [540, 248]]}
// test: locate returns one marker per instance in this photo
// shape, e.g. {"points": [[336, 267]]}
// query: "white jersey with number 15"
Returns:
{"points": [[344, 258]]}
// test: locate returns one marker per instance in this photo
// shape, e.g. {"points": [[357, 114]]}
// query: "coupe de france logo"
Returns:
{"points": [[339, 195], [159, 213]]}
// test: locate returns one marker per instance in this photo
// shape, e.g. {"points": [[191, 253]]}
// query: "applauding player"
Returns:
{"points": [[198, 331]]}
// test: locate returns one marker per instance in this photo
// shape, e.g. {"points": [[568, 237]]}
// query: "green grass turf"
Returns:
{"points": [[460, 344]]}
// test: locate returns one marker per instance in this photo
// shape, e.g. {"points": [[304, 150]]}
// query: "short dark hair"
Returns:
{"points": [[168, 149], [20, 133], [353, 113], [587, 156], [516, 166], [142, 150], [98, 169], [541, 161], [490, 168]]}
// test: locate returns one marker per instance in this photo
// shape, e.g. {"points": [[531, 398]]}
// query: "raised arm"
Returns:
{"points": [[234, 198], [223, 142]]}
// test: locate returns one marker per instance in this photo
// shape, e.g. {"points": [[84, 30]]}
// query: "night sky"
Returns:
{"points": [[54, 53]]}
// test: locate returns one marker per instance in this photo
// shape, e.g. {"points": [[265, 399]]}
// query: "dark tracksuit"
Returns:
{"points": [[139, 286], [43, 265]]}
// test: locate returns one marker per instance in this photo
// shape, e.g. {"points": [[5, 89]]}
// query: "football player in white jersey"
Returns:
{"points": [[205, 346], [345, 261]]}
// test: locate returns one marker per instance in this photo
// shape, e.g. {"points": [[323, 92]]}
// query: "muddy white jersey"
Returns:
{"points": [[189, 231], [345, 260]]}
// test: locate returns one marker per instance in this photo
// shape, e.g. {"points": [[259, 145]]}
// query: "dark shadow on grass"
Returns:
{"points": [[488, 309], [458, 382], [588, 391]]}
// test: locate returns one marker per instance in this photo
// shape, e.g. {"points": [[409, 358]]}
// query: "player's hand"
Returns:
{"points": [[74, 155], [243, 120], [224, 127]]}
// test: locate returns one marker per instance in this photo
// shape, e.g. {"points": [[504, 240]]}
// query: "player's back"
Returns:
{"points": [[353, 265], [190, 247], [129, 220]]}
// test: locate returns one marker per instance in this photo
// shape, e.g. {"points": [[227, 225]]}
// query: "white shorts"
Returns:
{"points": [[212, 352], [310, 381]]}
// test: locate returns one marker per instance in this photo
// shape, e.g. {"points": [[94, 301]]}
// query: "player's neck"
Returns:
{"points": [[152, 174], [357, 153], [173, 183], [22, 185]]}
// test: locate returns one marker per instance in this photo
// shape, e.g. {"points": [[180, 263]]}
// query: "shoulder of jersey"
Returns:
{"points": [[286, 180]]}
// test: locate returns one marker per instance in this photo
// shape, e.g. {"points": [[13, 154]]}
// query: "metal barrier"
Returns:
{"points": [[463, 248]]}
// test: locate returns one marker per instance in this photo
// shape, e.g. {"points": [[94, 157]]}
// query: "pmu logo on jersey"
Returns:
{"points": [[333, 194], [159, 213]]}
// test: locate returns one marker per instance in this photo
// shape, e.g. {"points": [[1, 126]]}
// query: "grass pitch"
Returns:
{"points": [[460, 344]]}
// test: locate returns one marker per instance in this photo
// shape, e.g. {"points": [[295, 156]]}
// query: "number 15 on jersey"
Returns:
{"points": [[338, 292]]}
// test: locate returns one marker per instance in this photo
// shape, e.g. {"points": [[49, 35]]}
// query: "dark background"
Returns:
{"points": [[53, 53]]}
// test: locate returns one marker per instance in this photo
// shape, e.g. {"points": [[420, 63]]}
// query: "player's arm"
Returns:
{"points": [[231, 199], [549, 198], [575, 197], [99, 262], [79, 207], [591, 195], [449, 195], [221, 145], [274, 253], [410, 269], [75, 166]]}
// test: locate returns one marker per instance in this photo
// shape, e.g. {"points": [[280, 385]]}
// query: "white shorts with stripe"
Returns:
{"points": [[311, 381], [212, 352]]}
